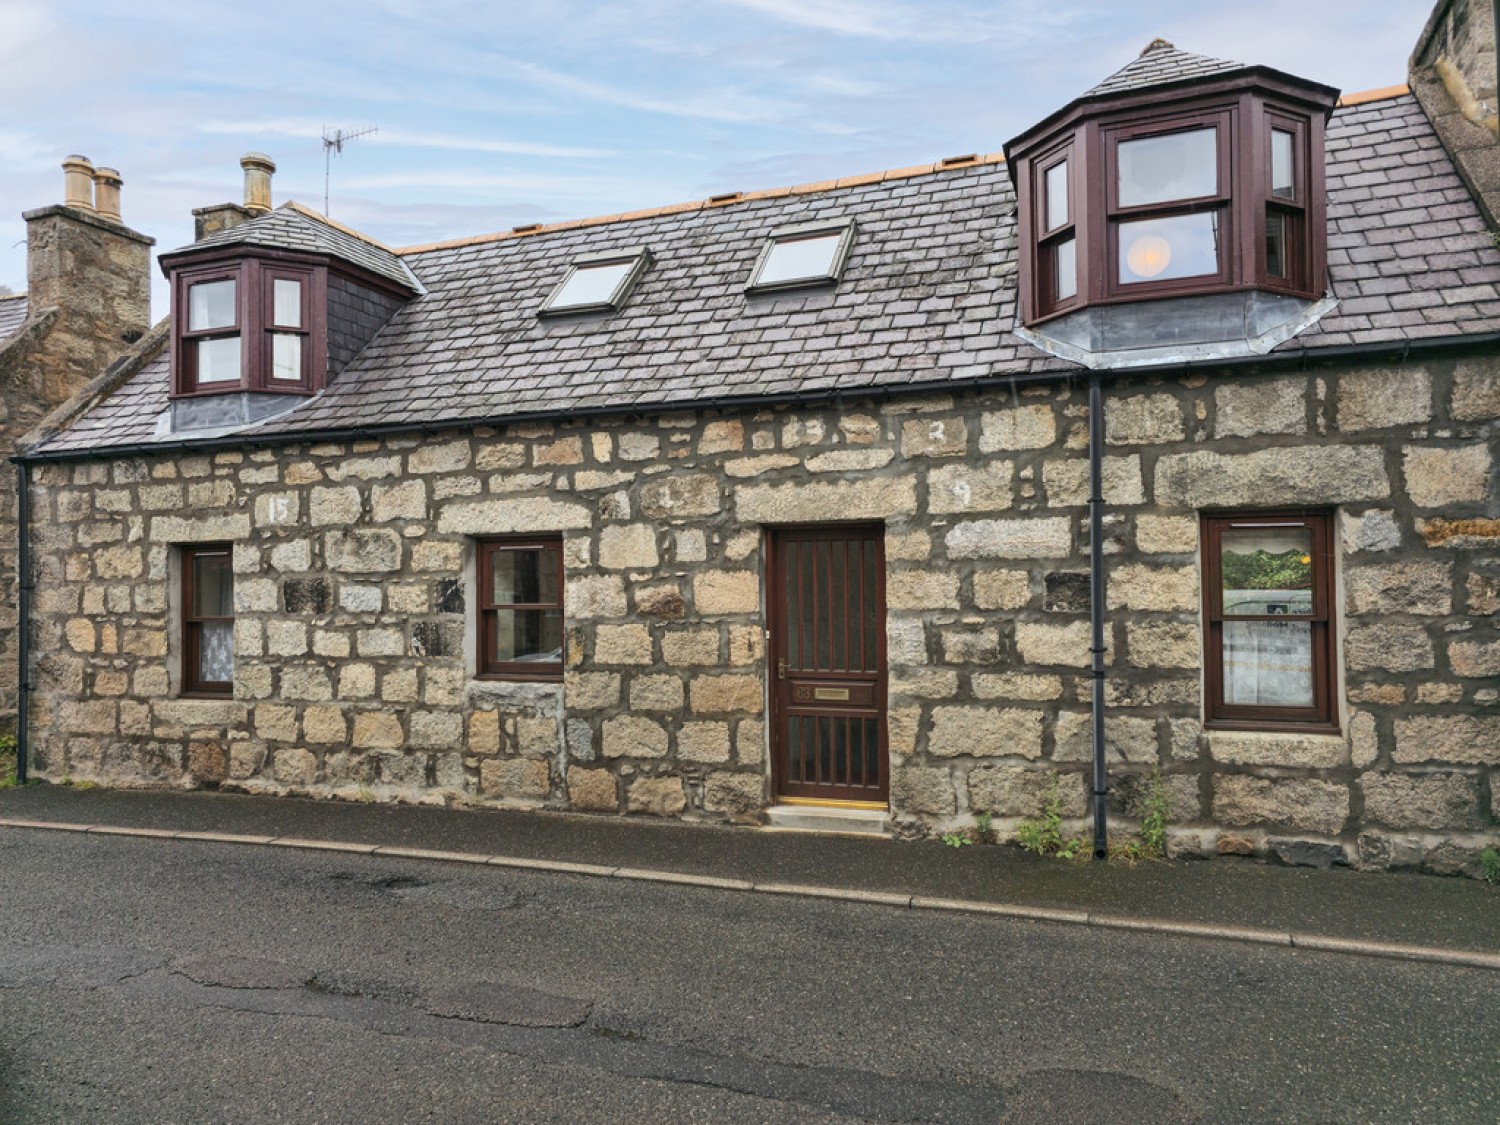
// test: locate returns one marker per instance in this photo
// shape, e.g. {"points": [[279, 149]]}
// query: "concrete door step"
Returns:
{"points": [[816, 818]]}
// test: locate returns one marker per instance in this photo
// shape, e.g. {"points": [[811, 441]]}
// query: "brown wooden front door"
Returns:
{"points": [[827, 653]]}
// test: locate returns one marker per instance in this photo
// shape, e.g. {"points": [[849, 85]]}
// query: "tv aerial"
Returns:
{"points": [[333, 143]]}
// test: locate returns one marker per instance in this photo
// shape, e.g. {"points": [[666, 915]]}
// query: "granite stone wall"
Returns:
{"points": [[89, 300], [355, 589]]}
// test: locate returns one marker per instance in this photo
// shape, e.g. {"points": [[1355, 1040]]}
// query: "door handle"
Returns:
{"points": [[781, 669]]}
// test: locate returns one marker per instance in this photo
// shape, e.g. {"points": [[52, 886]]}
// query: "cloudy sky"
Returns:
{"points": [[492, 113]]}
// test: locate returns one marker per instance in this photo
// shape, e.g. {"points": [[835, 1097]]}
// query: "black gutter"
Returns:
{"points": [[1301, 359], [23, 618], [1100, 786]]}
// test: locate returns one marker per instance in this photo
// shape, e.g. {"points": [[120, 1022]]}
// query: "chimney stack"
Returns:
{"points": [[107, 193], [258, 170], [78, 183], [82, 261]]}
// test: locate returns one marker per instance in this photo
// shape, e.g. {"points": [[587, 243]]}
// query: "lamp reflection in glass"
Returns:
{"points": [[1167, 248], [1149, 255]]}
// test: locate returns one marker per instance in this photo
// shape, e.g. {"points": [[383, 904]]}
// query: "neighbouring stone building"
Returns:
{"points": [[88, 300], [777, 505]]}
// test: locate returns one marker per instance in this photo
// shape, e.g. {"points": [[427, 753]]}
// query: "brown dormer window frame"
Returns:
{"points": [[1215, 207], [269, 341], [1055, 215], [1252, 223]]}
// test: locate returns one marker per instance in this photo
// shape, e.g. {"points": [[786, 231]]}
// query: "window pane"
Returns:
{"points": [[1066, 270], [591, 285], [1162, 249], [286, 357], [1057, 195], [795, 259], [216, 652], [219, 360], [211, 305], [532, 636], [1275, 243], [1281, 164], [1173, 166], [213, 586], [1267, 571], [288, 302], [1268, 663], [525, 576]]}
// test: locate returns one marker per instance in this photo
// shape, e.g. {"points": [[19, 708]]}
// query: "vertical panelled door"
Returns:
{"points": [[827, 653]]}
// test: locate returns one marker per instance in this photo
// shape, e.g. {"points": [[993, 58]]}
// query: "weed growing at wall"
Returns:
{"points": [[7, 761], [1489, 865]]}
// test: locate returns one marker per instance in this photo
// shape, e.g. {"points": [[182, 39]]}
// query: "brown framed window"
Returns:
{"points": [[520, 608], [249, 325], [1169, 189], [1268, 620], [211, 352], [1055, 221], [287, 316], [1284, 181], [207, 620]]}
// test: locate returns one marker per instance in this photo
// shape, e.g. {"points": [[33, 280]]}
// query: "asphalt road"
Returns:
{"points": [[162, 981]]}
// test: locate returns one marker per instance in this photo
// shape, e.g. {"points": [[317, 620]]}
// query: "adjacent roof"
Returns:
{"points": [[293, 227], [13, 311], [1160, 64], [928, 299]]}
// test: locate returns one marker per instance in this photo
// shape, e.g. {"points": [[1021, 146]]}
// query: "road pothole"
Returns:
{"points": [[507, 1004]]}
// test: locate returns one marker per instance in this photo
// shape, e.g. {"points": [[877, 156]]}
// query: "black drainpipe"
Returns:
{"points": [[1096, 609], [23, 617]]}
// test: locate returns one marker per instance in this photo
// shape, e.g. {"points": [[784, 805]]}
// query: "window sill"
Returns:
{"points": [[1273, 729], [514, 691]]}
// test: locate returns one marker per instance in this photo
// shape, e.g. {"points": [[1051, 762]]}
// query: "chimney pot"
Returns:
{"points": [[78, 183], [107, 193], [258, 169]]}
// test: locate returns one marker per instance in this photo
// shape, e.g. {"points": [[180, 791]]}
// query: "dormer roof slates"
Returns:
{"points": [[293, 227], [1161, 64]]}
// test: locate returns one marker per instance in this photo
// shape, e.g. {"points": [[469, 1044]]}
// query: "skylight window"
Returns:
{"points": [[598, 282], [803, 255]]}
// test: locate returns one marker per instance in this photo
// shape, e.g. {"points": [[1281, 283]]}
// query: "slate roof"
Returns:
{"points": [[12, 313], [928, 298], [1159, 64], [293, 227]]}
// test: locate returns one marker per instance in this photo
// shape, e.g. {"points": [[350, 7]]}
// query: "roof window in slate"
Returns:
{"points": [[597, 282], [804, 255], [1179, 204]]}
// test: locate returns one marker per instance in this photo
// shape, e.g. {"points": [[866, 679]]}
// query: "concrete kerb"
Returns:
{"points": [[1247, 935]]}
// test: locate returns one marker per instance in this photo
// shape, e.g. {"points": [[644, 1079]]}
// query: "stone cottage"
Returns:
{"points": [[1162, 445]]}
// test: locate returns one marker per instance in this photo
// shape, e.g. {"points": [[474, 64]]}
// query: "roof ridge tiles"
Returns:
{"points": [[726, 199], [308, 212], [1379, 94]]}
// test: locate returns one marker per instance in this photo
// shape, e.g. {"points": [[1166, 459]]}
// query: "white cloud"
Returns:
{"points": [[400, 138], [885, 19], [728, 105]]}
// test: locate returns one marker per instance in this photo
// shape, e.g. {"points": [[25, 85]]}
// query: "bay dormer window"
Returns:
{"points": [[1180, 202], [251, 325]]}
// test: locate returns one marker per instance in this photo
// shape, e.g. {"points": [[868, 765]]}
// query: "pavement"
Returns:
{"points": [[1381, 914]]}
